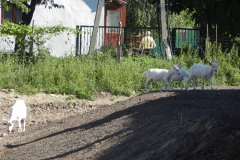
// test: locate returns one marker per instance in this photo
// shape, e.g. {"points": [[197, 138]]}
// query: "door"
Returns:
{"points": [[113, 15]]}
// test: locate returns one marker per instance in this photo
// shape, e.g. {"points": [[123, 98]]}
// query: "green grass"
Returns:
{"points": [[84, 76]]}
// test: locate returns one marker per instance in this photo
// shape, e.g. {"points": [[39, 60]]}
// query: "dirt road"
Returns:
{"points": [[159, 125]]}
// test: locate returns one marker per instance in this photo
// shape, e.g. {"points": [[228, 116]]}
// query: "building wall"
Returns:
{"points": [[75, 12]]}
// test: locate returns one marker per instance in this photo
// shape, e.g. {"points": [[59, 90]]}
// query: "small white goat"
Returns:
{"points": [[159, 75], [18, 112], [181, 75], [202, 71]]}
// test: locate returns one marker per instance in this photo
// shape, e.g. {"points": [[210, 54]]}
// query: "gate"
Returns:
{"points": [[186, 37]]}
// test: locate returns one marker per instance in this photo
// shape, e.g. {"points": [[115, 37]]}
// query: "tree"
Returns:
{"points": [[28, 7], [221, 13], [141, 13]]}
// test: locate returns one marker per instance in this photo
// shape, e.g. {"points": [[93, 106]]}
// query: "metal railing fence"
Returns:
{"points": [[108, 36], [131, 38]]}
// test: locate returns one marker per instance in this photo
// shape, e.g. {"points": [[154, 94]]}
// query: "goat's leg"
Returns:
{"points": [[171, 83], [180, 82], [20, 126], [211, 83], [147, 85], [24, 124], [202, 83], [186, 82], [189, 79], [166, 83], [169, 88], [11, 127], [161, 88], [194, 82], [163, 85]]}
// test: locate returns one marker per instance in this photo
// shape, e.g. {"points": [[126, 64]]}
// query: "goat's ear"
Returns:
{"points": [[179, 65], [175, 67]]}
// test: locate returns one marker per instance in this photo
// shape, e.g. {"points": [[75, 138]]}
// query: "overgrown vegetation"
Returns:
{"points": [[83, 76]]}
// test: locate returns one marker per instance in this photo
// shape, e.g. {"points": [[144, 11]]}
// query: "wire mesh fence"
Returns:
{"points": [[7, 44], [60, 45]]}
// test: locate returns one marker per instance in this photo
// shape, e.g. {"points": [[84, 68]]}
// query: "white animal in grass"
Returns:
{"points": [[180, 76], [159, 75], [203, 72], [18, 113]]}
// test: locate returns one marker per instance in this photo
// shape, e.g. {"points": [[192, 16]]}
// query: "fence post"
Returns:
{"points": [[77, 41], [119, 47], [125, 40], [31, 41], [173, 36]]}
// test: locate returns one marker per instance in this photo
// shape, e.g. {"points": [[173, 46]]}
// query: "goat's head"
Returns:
{"points": [[179, 65], [214, 66], [9, 124], [176, 69]]}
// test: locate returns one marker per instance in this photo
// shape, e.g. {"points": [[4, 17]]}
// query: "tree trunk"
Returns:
{"points": [[26, 19], [164, 30]]}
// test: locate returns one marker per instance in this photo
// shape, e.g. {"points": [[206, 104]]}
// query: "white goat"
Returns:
{"points": [[18, 112], [181, 75], [202, 71], [159, 75]]}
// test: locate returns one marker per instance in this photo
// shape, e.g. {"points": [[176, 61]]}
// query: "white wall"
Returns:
{"points": [[75, 12]]}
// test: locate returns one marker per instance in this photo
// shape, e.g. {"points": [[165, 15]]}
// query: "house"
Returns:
{"points": [[75, 12]]}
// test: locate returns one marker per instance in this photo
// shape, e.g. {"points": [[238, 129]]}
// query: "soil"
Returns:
{"points": [[159, 125]]}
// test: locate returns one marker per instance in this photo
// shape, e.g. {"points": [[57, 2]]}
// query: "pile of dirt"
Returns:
{"points": [[158, 125]]}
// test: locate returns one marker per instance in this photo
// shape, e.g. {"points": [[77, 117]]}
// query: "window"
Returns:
{"points": [[13, 15], [113, 19]]}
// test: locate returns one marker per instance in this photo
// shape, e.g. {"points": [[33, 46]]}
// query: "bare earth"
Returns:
{"points": [[182, 125]]}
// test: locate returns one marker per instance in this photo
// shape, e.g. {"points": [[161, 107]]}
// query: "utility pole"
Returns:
{"points": [[164, 30], [95, 28]]}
